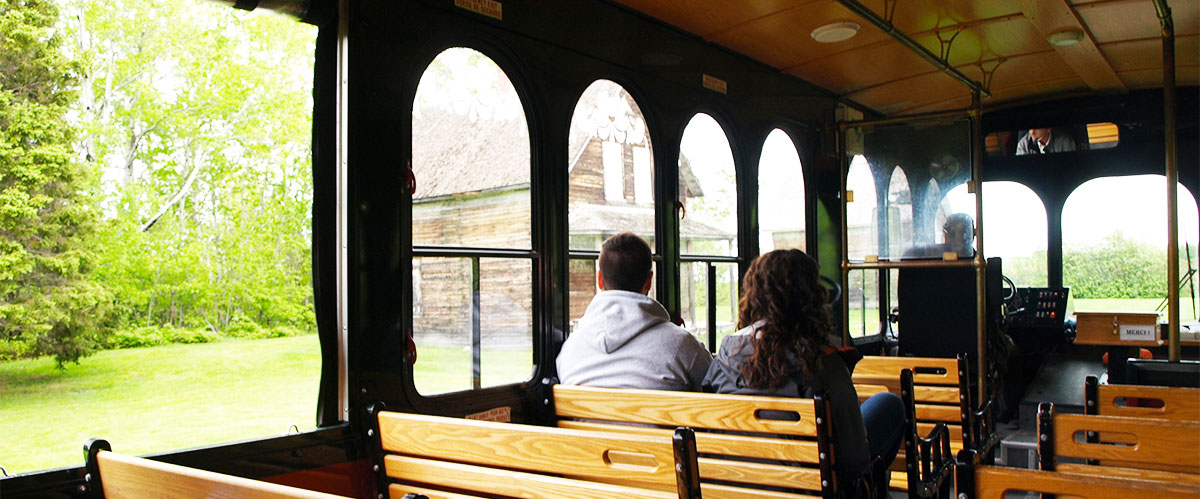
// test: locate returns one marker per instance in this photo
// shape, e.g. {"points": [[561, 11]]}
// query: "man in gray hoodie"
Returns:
{"points": [[625, 339]]}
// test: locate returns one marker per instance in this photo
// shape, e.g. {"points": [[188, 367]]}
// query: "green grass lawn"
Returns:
{"points": [[172, 397], [147, 400]]}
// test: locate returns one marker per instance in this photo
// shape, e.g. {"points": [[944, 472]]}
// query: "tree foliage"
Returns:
{"points": [[200, 116], [180, 211], [49, 305], [1119, 267]]}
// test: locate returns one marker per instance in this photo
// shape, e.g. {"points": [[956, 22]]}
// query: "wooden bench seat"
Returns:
{"points": [[119, 476], [453, 458], [1159, 402], [1114, 441], [976, 481], [794, 457], [939, 396]]}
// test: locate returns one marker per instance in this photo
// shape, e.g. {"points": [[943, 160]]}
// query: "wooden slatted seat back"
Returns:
{"points": [[1152, 444], [1159, 402], [462, 456], [119, 476], [991, 482], [940, 389], [742, 444]]}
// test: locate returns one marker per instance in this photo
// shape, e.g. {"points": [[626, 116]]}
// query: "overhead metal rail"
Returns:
{"points": [[917, 48]]}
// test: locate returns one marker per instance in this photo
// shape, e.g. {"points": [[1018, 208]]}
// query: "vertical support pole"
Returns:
{"points": [[981, 365], [342, 251], [711, 310], [845, 255], [1172, 166], [476, 330]]}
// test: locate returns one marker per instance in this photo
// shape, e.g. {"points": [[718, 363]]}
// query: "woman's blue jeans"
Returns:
{"points": [[883, 415]]}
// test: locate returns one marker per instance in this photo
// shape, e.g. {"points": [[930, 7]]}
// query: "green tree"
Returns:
{"points": [[1119, 267], [48, 304], [199, 115]]}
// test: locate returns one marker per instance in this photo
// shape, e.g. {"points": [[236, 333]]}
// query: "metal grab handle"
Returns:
{"points": [[410, 181]]}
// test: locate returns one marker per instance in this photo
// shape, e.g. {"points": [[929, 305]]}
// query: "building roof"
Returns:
{"points": [[454, 155]]}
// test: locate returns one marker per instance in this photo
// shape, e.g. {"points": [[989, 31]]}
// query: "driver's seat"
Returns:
{"points": [[937, 309]]}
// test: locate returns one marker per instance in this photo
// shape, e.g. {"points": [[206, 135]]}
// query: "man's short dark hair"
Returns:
{"points": [[625, 262]]}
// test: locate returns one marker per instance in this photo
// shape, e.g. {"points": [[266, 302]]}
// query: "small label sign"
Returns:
{"points": [[490, 8], [499, 414], [1143, 332], [713, 83]]}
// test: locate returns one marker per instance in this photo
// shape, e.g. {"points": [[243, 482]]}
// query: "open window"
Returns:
{"points": [[708, 231], [472, 266]]}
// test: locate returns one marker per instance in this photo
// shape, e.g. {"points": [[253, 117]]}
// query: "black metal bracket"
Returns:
{"points": [[90, 450], [375, 444], [929, 462], [543, 393], [1045, 443], [687, 468], [1091, 396], [825, 439], [964, 483], [1091, 407]]}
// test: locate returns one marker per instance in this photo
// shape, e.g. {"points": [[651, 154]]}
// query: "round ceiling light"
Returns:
{"points": [[1065, 38], [835, 32]]}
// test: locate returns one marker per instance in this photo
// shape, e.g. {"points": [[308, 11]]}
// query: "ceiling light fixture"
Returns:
{"points": [[1065, 38], [835, 32]]}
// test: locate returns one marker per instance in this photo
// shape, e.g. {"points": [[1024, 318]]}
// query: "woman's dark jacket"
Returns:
{"points": [[832, 376]]}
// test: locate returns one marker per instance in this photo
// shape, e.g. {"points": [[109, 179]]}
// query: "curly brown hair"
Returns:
{"points": [[782, 289]]}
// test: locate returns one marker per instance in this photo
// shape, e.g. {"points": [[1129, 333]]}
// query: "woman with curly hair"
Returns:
{"points": [[785, 348]]}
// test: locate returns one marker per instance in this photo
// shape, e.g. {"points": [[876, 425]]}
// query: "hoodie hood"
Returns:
{"points": [[615, 317]]}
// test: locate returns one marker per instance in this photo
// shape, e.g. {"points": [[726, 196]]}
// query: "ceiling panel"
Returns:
{"points": [[705, 17], [898, 97], [1147, 54], [922, 15], [1152, 78], [875, 70], [784, 40], [1011, 37], [864, 67]]}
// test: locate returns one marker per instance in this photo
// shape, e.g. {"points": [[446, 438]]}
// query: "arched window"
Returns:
{"points": [[781, 221], [708, 230], [1014, 228], [1114, 244], [472, 311], [862, 239], [899, 213], [610, 181]]}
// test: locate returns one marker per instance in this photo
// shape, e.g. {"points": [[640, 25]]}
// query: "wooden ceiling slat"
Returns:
{"points": [[1139, 55], [1085, 58], [783, 40], [1121, 48]]}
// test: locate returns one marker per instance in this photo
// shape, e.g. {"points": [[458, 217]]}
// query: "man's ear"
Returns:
{"points": [[599, 281], [648, 284]]}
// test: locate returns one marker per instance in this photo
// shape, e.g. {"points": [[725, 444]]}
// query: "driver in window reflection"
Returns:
{"points": [[1044, 140], [958, 237]]}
